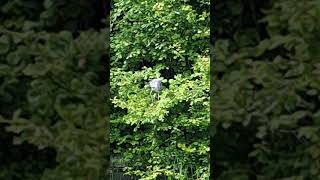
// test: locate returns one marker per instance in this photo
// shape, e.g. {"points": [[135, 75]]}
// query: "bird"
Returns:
{"points": [[155, 85]]}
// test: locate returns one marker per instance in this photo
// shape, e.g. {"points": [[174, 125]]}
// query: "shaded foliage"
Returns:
{"points": [[266, 84], [52, 90]]}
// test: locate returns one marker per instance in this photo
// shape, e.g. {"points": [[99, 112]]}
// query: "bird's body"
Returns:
{"points": [[155, 85]]}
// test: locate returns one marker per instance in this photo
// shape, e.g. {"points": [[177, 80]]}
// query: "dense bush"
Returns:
{"points": [[166, 40], [266, 103], [52, 77]]}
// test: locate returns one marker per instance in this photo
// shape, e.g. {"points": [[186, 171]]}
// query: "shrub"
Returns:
{"points": [[166, 40]]}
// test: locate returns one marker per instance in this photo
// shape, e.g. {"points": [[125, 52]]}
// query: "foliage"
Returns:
{"points": [[266, 105], [169, 32], [166, 40], [51, 15], [52, 109]]}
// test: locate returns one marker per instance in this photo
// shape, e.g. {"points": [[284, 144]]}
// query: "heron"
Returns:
{"points": [[156, 86]]}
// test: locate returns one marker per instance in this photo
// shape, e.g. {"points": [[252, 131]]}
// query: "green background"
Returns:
{"points": [[265, 108], [53, 110]]}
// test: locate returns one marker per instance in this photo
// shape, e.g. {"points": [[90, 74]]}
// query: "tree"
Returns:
{"points": [[166, 40]]}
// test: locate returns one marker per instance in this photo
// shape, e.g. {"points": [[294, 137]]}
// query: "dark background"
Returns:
{"points": [[53, 84], [265, 90]]}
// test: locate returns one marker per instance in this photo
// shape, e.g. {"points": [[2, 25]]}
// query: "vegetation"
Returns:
{"points": [[52, 75], [266, 103], [168, 40], [265, 77]]}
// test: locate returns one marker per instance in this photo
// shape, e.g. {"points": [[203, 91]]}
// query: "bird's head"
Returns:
{"points": [[155, 84]]}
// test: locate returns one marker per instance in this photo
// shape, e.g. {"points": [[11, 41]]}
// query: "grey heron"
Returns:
{"points": [[155, 85]]}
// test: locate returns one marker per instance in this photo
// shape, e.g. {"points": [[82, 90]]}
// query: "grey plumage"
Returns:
{"points": [[155, 85]]}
